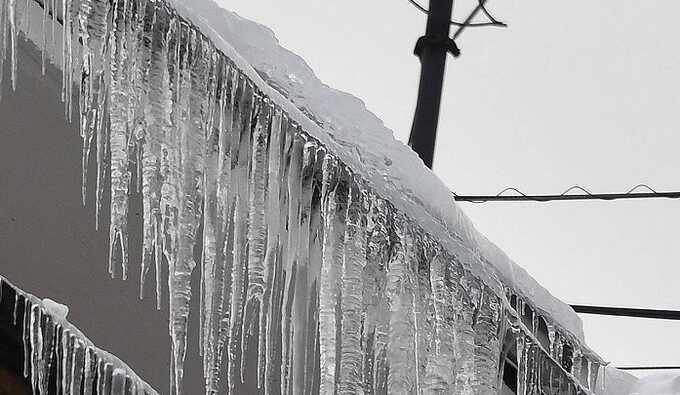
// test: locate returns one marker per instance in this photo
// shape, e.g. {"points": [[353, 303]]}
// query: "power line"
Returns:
{"points": [[648, 367], [587, 195], [467, 23], [673, 315]]}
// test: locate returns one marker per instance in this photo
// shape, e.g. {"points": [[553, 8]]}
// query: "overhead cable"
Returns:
{"points": [[648, 367], [566, 195], [673, 315]]}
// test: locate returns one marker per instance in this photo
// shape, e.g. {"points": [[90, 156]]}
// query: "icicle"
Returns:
{"points": [[217, 264], [277, 211], [208, 251], [27, 337], [58, 352], [354, 260], [43, 48], [333, 247], [49, 338], [118, 382], [465, 292], [119, 137], [37, 362], [150, 150], [315, 254], [523, 361], [401, 348], [192, 149], [8, 26], [15, 313], [100, 378], [487, 343], [53, 8], [291, 265], [77, 366], [105, 378], [13, 29], [211, 260], [423, 305], [439, 372], [90, 371], [66, 361], [163, 119], [272, 220], [300, 309], [257, 229], [240, 160], [375, 281], [93, 28], [67, 58], [594, 373], [3, 40]]}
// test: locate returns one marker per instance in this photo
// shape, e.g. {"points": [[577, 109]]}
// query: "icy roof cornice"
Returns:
{"points": [[342, 122], [47, 334]]}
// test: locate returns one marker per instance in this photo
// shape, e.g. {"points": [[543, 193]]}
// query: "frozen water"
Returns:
{"points": [[55, 309], [48, 338], [328, 251]]}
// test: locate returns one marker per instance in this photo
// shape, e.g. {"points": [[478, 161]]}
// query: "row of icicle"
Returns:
{"points": [[55, 352], [548, 359], [309, 280]]}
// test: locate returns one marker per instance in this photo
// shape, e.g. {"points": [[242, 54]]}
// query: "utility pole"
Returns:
{"points": [[431, 49]]}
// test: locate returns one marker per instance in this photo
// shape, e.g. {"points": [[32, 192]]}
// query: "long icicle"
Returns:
{"points": [[301, 298], [243, 121], [119, 137], [329, 292], [257, 231], [353, 264]]}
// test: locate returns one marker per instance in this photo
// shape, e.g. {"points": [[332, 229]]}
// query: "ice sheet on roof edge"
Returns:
{"points": [[245, 67], [361, 140], [365, 144], [80, 349]]}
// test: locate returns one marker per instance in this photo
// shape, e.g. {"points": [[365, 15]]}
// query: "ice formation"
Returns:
{"points": [[56, 351], [55, 309], [327, 251]]}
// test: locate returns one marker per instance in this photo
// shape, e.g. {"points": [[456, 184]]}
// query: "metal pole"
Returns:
{"points": [[432, 55]]}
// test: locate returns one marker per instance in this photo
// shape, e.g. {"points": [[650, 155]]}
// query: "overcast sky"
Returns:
{"points": [[573, 92]]}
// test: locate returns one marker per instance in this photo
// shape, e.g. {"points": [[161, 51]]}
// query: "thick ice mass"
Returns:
{"points": [[331, 259]]}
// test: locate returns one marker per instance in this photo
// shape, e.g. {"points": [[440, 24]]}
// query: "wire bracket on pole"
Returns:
{"points": [[434, 41]]}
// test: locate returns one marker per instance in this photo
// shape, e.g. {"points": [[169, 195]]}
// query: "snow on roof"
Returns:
{"points": [[658, 384], [343, 123]]}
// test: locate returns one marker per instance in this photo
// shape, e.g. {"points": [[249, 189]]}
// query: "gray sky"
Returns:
{"points": [[576, 92]]}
